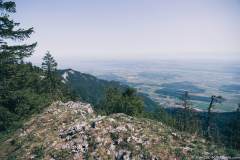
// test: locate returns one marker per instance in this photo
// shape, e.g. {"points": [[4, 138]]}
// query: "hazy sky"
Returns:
{"points": [[127, 29]]}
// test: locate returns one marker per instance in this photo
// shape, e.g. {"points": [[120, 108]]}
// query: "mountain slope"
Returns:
{"points": [[92, 89], [73, 131], [88, 87]]}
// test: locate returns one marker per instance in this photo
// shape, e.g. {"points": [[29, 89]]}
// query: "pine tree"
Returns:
{"points": [[133, 105], [49, 66], [11, 55], [126, 102], [9, 30]]}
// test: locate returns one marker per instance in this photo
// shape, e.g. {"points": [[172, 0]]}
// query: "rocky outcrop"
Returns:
{"points": [[73, 130]]}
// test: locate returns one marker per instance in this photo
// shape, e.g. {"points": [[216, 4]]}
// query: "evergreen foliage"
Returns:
{"points": [[186, 119], [22, 85], [11, 56], [89, 88], [126, 102], [93, 90], [49, 65], [51, 79]]}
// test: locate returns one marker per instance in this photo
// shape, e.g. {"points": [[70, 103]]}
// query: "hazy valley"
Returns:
{"points": [[164, 80]]}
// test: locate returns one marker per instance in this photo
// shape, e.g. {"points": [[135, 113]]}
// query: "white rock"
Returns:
{"points": [[65, 76], [121, 128]]}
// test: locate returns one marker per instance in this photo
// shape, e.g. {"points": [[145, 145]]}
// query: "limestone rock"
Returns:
{"points": [[72, 130]]}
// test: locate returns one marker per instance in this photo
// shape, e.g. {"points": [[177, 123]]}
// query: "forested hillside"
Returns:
{"points": [[93, 90], [88, 87]]}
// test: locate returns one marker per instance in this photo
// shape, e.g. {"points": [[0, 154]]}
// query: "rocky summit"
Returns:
{"points": [[73, 130]]}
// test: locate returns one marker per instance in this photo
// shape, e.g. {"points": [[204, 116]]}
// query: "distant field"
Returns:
{"points": [[165, 81], [232, 88]]}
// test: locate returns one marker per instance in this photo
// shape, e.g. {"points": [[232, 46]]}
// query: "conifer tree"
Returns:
{"points": [[9, 30], [189, 119], [49, 66], [11, 55], [126, 102]]}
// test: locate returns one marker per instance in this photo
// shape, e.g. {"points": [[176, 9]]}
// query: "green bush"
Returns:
{"points": [[62, 154], [231, 152], [38, 152], [117, 101]]}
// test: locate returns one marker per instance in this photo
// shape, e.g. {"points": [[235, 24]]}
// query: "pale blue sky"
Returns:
{"points": [[128, 29]]}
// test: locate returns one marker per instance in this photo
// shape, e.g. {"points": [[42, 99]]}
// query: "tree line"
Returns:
{"points": [[209, 124]]}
